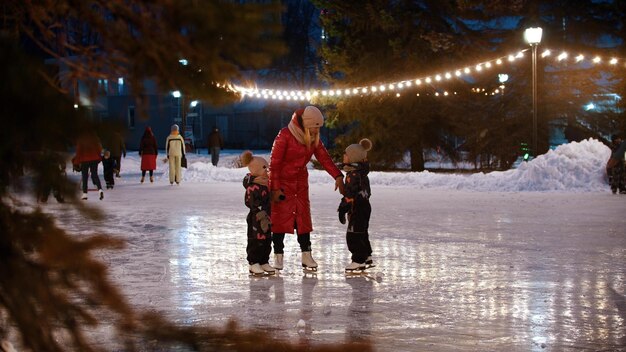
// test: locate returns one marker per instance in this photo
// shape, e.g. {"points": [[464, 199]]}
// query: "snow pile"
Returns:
{"points": [[577, 166]]}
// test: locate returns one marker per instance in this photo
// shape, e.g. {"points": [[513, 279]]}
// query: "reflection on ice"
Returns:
{"points": [[467, 280]]}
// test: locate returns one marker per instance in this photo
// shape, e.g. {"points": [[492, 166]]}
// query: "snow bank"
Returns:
{"points": [[577, 166]]}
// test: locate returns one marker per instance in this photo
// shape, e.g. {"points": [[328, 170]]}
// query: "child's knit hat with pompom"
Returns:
{"points": [[255, 164], [358, 152]]}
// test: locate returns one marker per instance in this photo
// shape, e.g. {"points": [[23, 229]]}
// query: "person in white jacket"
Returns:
{"points": [[175, 150]]}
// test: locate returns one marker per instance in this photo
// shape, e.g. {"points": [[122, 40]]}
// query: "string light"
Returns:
{"points": [[282, 94]]}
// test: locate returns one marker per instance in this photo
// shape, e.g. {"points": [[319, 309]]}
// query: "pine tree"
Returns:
{"points": [[382, 41]]}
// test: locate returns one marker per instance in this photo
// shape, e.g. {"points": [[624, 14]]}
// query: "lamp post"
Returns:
{"points": [[533, 37]]}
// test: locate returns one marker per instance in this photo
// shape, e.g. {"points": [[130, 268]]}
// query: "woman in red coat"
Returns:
{"points": [[289, 181], [148, 151], [88, 149]]}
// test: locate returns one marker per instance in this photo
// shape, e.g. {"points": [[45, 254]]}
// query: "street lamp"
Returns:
{"points": [[533, 37]]}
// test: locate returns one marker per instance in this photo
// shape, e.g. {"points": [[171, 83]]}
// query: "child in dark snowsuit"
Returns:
{"points": [[258, 199], [110, 169], [356, 205]]}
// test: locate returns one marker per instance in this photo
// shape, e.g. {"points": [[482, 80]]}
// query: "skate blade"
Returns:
{"points": [[257, 274], [309, 269], [355, 272]]}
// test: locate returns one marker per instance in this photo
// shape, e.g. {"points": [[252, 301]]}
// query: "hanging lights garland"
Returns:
{"points": [[398, 86]]}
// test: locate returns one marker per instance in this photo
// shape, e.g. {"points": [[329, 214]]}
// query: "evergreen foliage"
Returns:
{"points": [[380, 41], [53, 292]]}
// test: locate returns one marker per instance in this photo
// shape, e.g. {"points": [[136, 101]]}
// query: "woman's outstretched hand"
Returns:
{"points": [[339, 184]]}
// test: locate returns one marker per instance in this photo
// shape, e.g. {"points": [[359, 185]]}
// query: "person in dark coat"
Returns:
{"points": [[616, 165], [356, 204], [148, 151], [258, 199], [117, 149], [88, 149], [54, 163], [110, 169], [215, 144]]}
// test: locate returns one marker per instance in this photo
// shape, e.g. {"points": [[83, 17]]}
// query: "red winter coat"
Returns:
{"points": [[88, 148], [288, 172], [148, 151]]}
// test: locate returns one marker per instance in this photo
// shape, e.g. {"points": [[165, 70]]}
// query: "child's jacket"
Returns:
{"points": [[258, 199], [356, 196]]}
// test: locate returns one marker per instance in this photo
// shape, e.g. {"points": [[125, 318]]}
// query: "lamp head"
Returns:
{"points": [[532, 35]]}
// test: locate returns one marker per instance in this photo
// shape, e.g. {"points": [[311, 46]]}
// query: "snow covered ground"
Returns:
{"points": [[531, 259]]}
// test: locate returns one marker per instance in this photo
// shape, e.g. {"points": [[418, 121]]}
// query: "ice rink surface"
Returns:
{"points": [[457, 270]]}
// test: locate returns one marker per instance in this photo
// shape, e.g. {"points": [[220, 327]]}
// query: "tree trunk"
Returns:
{"points": [[417, 158]]}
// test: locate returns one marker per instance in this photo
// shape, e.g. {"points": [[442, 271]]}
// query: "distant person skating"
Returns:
{"points": [[616, 166], [356, 205], [258, 199], [117, 149], [148, 151], [215, 144], [175, 150], [110, 169], [88, 149], [289, 181]]}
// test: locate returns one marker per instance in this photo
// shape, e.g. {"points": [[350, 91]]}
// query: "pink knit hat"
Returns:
{"points": [[312, 117]]}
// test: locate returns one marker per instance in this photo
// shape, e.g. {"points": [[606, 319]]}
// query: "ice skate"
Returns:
{"points": [[270, 270], [308, 264], [142, 179], [369, 262], [151, 179], [84, 197], [355, 268], [101, 192], [278, 261], [255, 269]]}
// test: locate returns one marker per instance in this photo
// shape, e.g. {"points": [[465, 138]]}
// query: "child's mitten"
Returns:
{"points": [[343, 209], [263, 220]]}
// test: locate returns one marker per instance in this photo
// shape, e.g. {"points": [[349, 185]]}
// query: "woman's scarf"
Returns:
{"points": [[296, 131], [303, 136]]}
